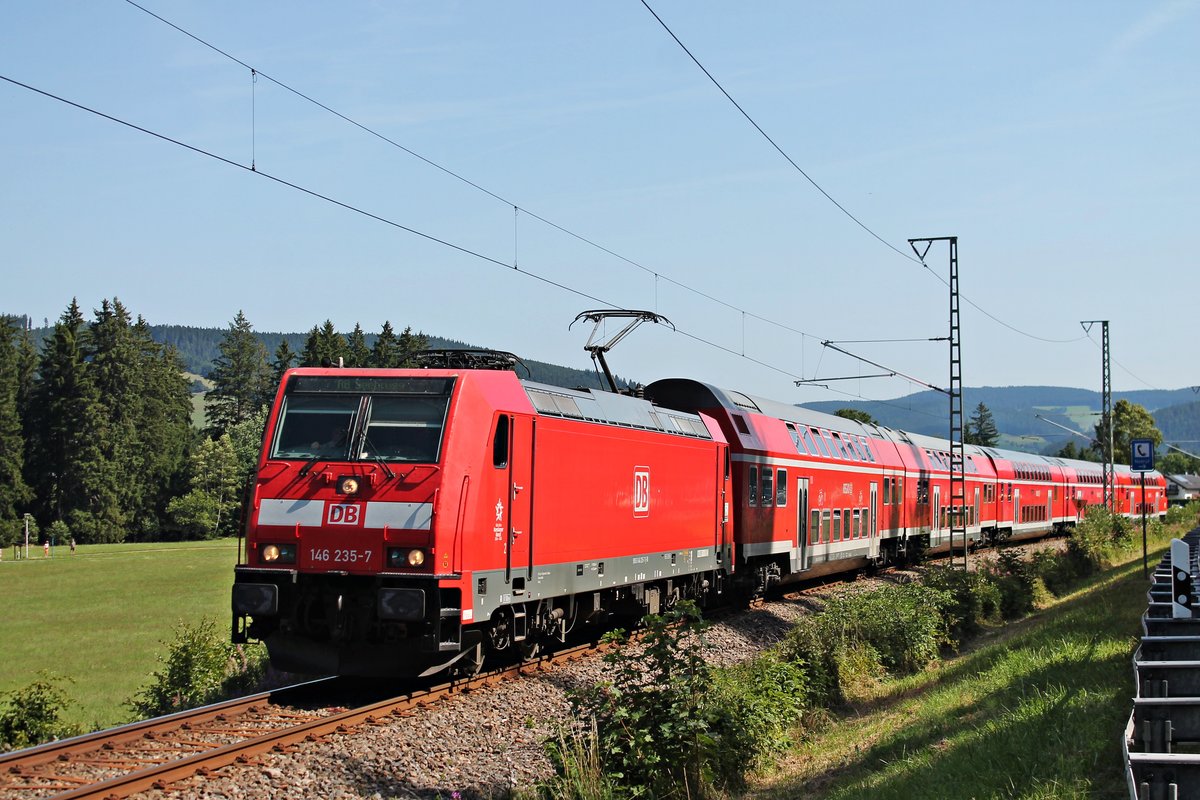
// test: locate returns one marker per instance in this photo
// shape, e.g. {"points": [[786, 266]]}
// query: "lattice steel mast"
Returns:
{"points": [[958, 484], [1110, 493]]}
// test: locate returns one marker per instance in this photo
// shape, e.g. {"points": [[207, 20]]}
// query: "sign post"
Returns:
{"points": [[1141, 459]]}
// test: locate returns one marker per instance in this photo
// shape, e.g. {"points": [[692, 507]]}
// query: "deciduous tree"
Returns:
{"points": [[1129, 421]]}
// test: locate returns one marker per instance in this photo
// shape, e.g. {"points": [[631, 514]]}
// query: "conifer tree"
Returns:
{"points": [[411, 344], [241, 377], [981, 428], [385, 352], [285, 358], [165, 430], [324, 347], [14, 492], [68, 464], [357, 354]]}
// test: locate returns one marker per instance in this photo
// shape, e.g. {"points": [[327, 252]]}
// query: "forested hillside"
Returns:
{"points": [[1023, 414], [199, 347]]}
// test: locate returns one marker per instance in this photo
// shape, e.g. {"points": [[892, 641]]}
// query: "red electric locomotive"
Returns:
{"points": [[404, 521]]}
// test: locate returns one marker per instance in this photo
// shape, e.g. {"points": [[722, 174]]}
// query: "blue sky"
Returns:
{"points": [[1058, 141]]}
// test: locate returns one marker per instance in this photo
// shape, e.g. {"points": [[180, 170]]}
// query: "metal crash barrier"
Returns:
{"points": [[1162, 739]]}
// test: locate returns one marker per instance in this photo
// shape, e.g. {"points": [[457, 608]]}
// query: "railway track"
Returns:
{"points": [[155, 753]]}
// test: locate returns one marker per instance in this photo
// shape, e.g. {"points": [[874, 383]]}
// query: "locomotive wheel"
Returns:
{"points": [[529, 648], [500, 632]]}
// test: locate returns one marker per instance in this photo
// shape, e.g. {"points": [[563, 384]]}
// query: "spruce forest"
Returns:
{"points": [[97, 440]]}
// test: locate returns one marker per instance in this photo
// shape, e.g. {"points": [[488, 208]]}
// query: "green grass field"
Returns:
{"points": [[101, 616], [1033, 710]]}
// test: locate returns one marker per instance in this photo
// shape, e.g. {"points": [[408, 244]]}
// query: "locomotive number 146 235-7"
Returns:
{"points": [[330, 555]]}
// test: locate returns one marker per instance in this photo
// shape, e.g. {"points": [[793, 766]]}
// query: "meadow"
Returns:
{"points": [[1033, 710], [100, 617]]}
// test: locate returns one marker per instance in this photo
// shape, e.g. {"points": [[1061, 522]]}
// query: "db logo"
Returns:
{"points": [[641, 491], [343, 515]]}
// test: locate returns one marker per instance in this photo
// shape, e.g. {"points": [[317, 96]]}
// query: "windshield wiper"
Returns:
{"points": [[378, 459], [309, 465]]}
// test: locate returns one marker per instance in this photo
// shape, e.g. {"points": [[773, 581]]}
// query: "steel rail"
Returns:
{"points": [[160, 775]]}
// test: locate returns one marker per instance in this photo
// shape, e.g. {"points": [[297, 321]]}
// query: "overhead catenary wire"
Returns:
{"points": [[826, 194], [377, 217], [579, 237], [462, 178], [517, 209]]}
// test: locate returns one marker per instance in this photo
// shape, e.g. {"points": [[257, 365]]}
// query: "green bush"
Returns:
{"points": [[860, 637], [655, 729], [903, 623], [1020, 581], [807, 646], [668, 725], [201, 667], [1181, 515], [33, 715], [763, 700], [973, 600]]}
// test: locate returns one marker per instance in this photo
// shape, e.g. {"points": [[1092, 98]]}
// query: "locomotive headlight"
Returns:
{"points": [[402, 557], [348, 485], [277, 553]]}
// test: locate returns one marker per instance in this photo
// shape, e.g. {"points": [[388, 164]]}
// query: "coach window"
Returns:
{"points": [[852, 443], [500, 443], [781, 486], [816, 434], [768, 490], [898, 488], [866, 446], [791, 427], [752, 489], [887, 491], [814, 527], [808, 441], [838, 446]]}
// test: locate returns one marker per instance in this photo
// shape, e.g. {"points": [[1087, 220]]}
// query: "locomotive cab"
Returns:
{"points": [[341, 571]]}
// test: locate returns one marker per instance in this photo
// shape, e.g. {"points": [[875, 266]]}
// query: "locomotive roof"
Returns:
{"points": [[613, 409]]}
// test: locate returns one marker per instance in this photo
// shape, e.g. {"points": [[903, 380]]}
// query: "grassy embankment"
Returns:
{"points": [[102, 615], [1032, 710]]}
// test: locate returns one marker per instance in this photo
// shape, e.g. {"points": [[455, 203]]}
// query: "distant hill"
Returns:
{"points": [[1016, 410], [199, 347]]}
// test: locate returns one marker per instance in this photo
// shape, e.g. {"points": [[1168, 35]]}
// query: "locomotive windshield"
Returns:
{"points": [[389, 419]]}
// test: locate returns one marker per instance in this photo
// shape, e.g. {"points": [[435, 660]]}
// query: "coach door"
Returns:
{"points": [[518, 565], [1016, 508], [936, 522], [802, 522], [871, 522]]}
